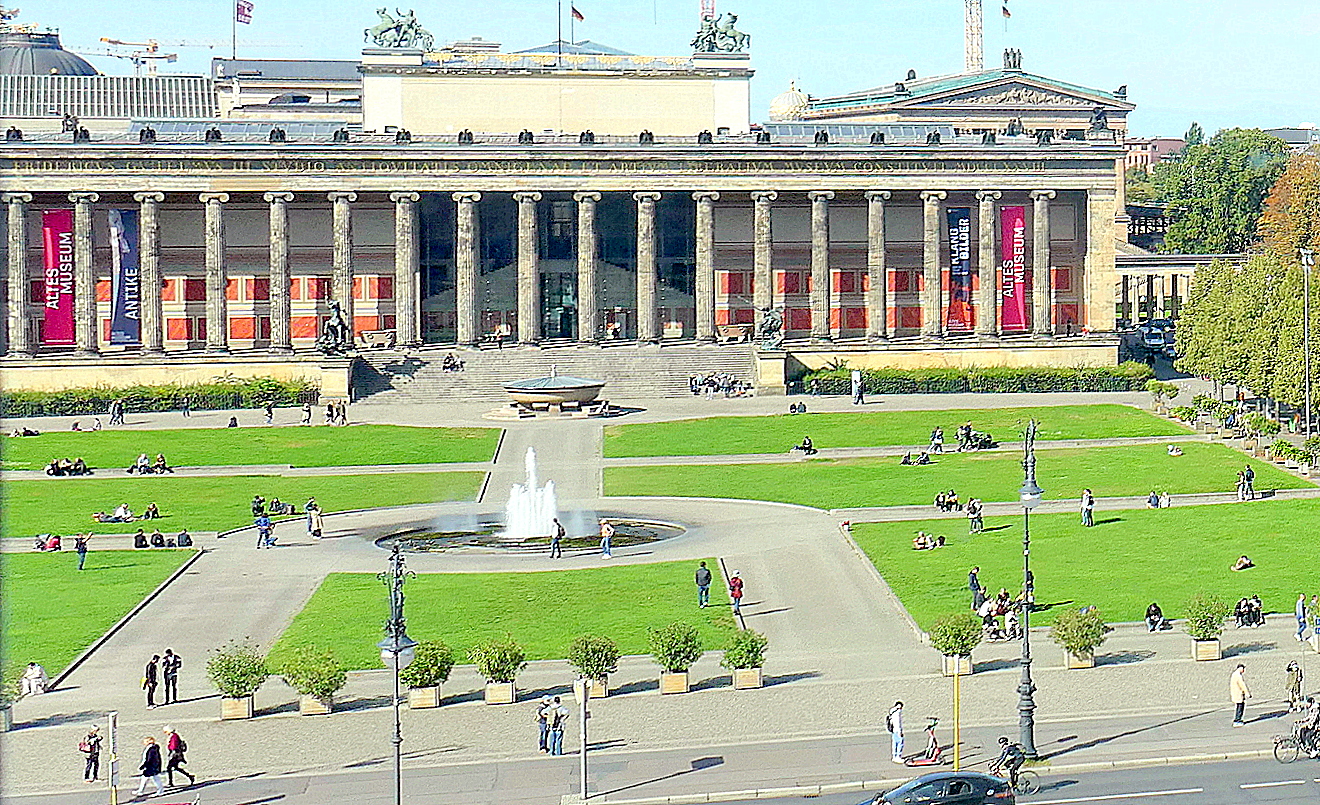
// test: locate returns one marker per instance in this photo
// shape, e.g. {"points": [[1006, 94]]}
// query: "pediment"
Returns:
{"points": [[1014, 93]]}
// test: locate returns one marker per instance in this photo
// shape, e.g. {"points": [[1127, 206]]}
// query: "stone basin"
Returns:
{"points": [[554, 389]]}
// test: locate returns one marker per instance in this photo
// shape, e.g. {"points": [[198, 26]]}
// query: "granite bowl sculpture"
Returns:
{"points": [[554, 390]]}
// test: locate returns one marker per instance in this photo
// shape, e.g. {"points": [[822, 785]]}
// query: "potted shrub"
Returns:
{"points": [[429, 669], [1080, 633], [1161, 391], [317, 676], [954, 637], [1183, 413], [744, 656], [675, 648], [1279, 450], [1205, 622], [595, 658], [499, 661], [236, 670]]}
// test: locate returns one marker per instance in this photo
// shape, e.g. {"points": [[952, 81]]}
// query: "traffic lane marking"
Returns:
{"points": [[1136, 795], [1273, 785]]}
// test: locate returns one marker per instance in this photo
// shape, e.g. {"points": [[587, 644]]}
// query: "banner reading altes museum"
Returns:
{"points": [[1013, 269], [57, 242]]}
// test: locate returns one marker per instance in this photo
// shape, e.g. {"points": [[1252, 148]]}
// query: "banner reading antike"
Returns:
{"points": [[125, 280], [1013, 269], [57, 242], [959, 318]]}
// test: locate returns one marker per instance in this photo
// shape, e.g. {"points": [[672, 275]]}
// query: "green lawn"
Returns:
{"points": [[113, 450], [543, 611], [846, 483], [65, 506], [1124, 562], [774, 434], [51, 611]]}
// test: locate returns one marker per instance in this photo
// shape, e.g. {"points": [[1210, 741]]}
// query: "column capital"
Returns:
{"points": [[988, 195], [16, 198], [874, 196], [527, 196], [1042, 195], [764, 196], [646, 197], [817, 196], [933, 196], [282, 195], [84, 196], [342, 195], [706, 195], [408, 196], [217, 198], [586, 195], [149, 195], [467, 197]]}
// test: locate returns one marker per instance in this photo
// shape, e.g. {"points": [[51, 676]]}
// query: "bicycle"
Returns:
{"points": [[1287, 748], [1026, 784]]}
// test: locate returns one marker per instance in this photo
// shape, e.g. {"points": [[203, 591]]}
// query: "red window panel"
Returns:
{"points": [[1066, 314], [263, 327], [846, 282], [169, 290], [260, 289], [231, 289], [855, 318], [902, 281], [1063, 279], [385, 288], [295, 288], [303, 326], [318, 287], [246, 284], [722, 315], [105, 330], [364, 323], [909, 317], [791, 282], [835, 318], [194, 290], [358, 288], [387, 322], [744, 315], [37, 291], [103, 290], [798, 318], [178, 329], [199, 327], [242, 327]]}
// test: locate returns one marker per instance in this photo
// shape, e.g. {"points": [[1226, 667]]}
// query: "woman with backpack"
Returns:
{"points": [[176, 747], [90, 746]]}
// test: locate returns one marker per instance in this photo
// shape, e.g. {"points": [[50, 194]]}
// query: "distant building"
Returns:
{"points": [[270, 89], [1145, 152], [1299, 138]]}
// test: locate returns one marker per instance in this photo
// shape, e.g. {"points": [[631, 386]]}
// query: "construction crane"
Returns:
{"points": [[974, 37], [147, 54]]}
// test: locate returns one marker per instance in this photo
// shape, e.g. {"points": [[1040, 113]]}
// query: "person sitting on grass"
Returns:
{"points": [[922, 542], [157, 539], [52, 543], [1242, 563], [1153, 500], [122, 514], [142, 466], [80, 467], [923, 459], [806, 447], [140, 539], [160, 467], [1175, 450], [184, 540], [258, 505], [152, 512], [952, 500], [1155, 619], [907, 459], [941, 501]]}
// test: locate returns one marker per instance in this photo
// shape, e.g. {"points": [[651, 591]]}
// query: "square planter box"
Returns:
{"points": [[313, 706], [423, 698], [600, 688], [1086, 660], [957, 666], [1206, 650], [6, 719], [747, 678], [674, 683], [500, 693], [235, 708]]}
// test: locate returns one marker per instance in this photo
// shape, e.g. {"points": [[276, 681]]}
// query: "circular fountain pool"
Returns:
{"points": [[488, 533]]}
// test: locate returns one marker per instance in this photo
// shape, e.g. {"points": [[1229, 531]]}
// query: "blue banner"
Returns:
{"points": [[125, 280], [959, 319]]}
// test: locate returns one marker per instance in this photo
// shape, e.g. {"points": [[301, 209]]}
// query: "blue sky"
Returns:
{"points": [[1220, 62]]}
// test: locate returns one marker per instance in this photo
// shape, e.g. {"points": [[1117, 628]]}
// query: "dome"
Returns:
{"points": [[789, 105], [38, 53]]}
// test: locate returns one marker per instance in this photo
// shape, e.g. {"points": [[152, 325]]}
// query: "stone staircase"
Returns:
{"points": [[630, 372]]}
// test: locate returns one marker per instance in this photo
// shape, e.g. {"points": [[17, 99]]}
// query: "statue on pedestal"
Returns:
{"points": [[717, 36], [770, 332], [336, 336], [402, 31]]}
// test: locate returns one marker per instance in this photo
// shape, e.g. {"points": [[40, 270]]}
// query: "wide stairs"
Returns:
{"points": [[630, 372]]}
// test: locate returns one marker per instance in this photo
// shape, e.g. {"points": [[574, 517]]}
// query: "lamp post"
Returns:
{"points": [[397, 650], [1308, 262], [1030, 495]]}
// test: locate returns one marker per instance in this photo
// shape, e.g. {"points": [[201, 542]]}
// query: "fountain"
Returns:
{"points": [[532, 508]]}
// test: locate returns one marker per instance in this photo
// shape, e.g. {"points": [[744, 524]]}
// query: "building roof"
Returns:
{"points": [[585, 47], [28, 52], [106, 96], [287, 69], [923, 88]]}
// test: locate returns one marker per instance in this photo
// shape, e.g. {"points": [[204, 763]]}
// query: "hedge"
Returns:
{"points": [[249, 393], [1129, 376]]}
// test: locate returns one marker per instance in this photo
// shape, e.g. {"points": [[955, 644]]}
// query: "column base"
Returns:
{"points": [[530, 344], [1043, 336], [877, 339], [154, 352], [280, 350], [87, 353], [988, 336], [217, 350]]}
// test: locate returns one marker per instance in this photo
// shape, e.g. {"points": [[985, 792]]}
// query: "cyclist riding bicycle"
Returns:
{"points": [[1011, 757]]}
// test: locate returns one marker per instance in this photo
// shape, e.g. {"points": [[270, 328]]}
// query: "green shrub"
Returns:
{"points": [[1079, 632], [956, 635], [237, 669], [314, 672], [499, 660], [675, 647], [746, 649], [430, 666], [1161, 390], [1260, 425], [1281, 448], [221, 394], [1205, 616], [1128, 376], [1184, 413], [593, 656]]}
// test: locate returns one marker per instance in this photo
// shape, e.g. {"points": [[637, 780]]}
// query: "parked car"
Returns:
{"points": [[949, 788]]}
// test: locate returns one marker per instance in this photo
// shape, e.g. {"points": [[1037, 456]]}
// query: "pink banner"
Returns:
{"points": [[57, 238], [1013, 269]]}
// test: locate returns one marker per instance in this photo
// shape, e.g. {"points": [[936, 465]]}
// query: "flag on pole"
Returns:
{"points": [[577, 15], [1007, 13], [243, 11]]}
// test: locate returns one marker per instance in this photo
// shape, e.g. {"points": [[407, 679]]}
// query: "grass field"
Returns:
{"points": [[543, 611], [774, 434], [847, 483], [1124, 562], [65, 506], [52, 612], [112, 451]]}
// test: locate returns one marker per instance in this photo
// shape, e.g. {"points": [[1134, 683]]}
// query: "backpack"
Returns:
{"points": [[889, 722], [183, 745]]}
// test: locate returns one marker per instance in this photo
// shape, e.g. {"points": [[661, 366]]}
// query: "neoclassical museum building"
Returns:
{"points": [[182, 247]]}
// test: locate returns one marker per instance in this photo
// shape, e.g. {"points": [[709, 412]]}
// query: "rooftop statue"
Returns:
{"points": [[400, 31], [717, 36]]}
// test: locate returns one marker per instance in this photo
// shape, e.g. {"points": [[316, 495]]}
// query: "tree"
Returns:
{"points": [[1217, 190], [1291, 219], [1140, 186], [1195, 134]]}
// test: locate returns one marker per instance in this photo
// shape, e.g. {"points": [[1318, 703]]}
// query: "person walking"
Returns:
{"points": [[90, 746], [894, 726], [1088, 508], [937, 440], [1294, 686], [1249, 482], [150, 678], [975, 522], [558, 721], [185, 406], [1238, 693], [315, 523], [265, 531], [306, 414], [269, 410], [606, 540], [175, 748], [703, 585], [80, 545], [857, 397], [736, 591], [542, 719], [1300, 612], [169, 671], [150, 767], [557, 540]]}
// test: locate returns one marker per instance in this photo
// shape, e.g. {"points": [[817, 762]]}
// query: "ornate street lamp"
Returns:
{"points": [[1030, 495], [396, 650]]}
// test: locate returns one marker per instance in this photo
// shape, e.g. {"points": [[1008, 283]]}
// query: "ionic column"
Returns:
{"points": [[762, 253], [19, 344], [466, 260], [407, 262], [820, 263], [217, 309], [932, 292], [85, 321], [588, 307], [704, 285], [987, 269], [153, 318], [281, 337], [648, 326], [1042, 313], [341, 224], [529, 269], [877, 294]]}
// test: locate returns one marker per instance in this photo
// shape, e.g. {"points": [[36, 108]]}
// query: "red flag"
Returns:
{"points": [[577, 15], [243, 11], [1007, 13]]}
